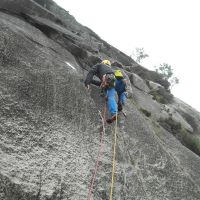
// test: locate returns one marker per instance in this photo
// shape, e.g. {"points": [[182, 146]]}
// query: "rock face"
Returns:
{"points": [[50, 124]]}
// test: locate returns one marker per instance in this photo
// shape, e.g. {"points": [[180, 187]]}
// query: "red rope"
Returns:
{"points": [[100, 151]]}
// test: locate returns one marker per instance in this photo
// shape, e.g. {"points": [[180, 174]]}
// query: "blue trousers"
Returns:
{"points": [[120, 87], [111, 102], [121, 98]]}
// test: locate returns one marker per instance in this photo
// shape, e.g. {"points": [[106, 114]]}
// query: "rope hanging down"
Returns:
{"points": [[100, 150], [113, 162]]}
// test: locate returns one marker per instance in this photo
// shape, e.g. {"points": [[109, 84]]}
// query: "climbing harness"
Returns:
{"points": [[100, 151], [113, 161], [108, 81]]}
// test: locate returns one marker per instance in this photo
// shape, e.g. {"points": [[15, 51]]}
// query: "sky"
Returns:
{"points": [[168, 30]]}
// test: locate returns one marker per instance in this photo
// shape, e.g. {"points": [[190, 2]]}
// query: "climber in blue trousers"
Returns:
{"points": [[107, 82], [120, 87], [111, 102]]}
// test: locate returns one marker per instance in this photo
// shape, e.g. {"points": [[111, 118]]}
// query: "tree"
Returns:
{"points": [[165, 69], [139, 54], [173, 82], [167, 72]]}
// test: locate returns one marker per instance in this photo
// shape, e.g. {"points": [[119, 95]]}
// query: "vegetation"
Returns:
{"points": [[163, 74], [146, 112], [127, 68], [162, 96], [190, 119], [139, 54], [170, 125], [191, 141], [167, 72], [150, 75]]}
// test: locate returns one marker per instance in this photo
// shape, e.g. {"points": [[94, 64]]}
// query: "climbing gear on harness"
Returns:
{"points": [[108, 81], [118, 73], [113, 162], [106, 62], [100, 151]]}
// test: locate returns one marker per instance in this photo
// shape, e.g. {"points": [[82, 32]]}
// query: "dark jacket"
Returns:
{"points": [[97, 70]]}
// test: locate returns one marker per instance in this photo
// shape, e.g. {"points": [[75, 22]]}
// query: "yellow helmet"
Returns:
{"points": [[118, 73], [106, 62]]}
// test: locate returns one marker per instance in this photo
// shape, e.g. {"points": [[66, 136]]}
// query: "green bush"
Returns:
{"points": [[170, 125], [192, 142], [127, 68], [162, 96], [146, 112], [190, 120], [189, 140]]}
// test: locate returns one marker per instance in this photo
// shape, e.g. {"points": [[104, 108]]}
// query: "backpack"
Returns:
{"points": [[108, 81]]}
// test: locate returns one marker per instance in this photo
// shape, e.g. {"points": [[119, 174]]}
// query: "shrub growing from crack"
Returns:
{"points": [[162, 96], [146, 112], [189, 140]]}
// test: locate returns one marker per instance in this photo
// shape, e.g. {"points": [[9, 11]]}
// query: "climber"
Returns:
{"points": [[120, 87], [107, 82]]}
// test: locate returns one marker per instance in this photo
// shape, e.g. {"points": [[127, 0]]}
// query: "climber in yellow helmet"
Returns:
{"points": [[107, 82], [120, 87], [106, 62]]}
